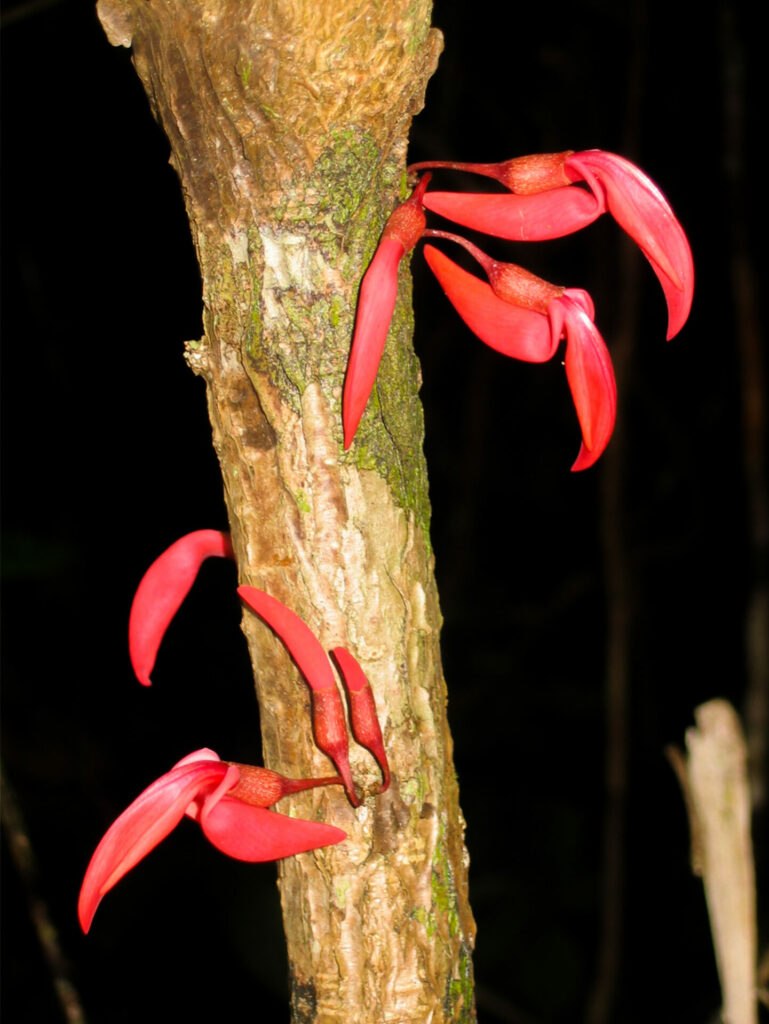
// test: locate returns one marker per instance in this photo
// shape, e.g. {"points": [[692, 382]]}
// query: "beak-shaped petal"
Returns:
{"points": [[527, 218], [590, 375], [161, 591], [513, 331], [142, 826], [312, 661], [363, 716], [256, 834], [644, 213], [376, 303], [302, 644]]}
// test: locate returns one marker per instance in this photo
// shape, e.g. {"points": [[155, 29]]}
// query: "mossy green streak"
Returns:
{"points": [[326, 228]]}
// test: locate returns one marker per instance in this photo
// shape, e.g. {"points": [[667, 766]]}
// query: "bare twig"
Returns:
{"points": [[717, 790], [20, 848]]}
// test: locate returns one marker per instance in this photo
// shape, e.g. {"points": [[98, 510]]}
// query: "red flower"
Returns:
{"points": [[161, 591], [525, 317], [376, 303], [328, 711], [229, 803], [546, 204]]}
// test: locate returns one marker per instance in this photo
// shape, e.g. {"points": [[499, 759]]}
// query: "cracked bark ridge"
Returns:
{"points": [[288, 127]]}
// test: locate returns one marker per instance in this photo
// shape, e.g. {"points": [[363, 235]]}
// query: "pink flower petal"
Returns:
{"points": [[302, 644], [143, 825], [591, 378], [161, 591], [582, 298], [204, 754], [376, 303], [511, 330], [256, 834], [644, 213], [528, 218]]}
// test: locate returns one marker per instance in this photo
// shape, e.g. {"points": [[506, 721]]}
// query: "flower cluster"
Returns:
{"points": [[230, 801], [549, 195], [515, 313]]}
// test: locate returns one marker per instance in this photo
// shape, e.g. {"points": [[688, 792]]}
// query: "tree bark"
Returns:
{"points": [[288, 125]]}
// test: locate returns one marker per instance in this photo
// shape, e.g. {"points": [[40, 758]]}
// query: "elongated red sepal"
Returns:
{"points": [[312, 661], [255, 834], [644, 213], [527, 218], [590, 375], [513, 331], [363, 716], [161, 591], [376, 303]]}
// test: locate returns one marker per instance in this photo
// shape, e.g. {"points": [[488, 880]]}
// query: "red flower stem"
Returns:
{"points": [[523, 175], [509, 282], [478, 254]]}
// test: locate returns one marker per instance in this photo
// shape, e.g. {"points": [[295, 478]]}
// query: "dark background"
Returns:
{"points": [[107, 460]]}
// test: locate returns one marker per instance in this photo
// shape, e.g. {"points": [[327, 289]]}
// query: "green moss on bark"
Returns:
{"points": [[306, 264]]}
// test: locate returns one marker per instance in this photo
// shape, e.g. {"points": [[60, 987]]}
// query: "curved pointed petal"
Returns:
{"points": [[529, 218], [312, 661], [583, 299], [161, 591], [301, 643], [142, 826], [590, 375], [363, 716], [644, 213], [378, 292], [204, 754], [511, 330], [256, 834]]}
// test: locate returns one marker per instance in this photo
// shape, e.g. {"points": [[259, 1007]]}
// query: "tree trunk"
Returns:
{"points": [[288, 125]]}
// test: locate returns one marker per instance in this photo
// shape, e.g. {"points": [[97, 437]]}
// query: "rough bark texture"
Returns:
{"points": [[288, 123]]}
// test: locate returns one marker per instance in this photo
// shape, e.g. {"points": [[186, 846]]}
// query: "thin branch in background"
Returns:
{"points": [[714, 778], [619, 586], [20, 847], [748, 334]]}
